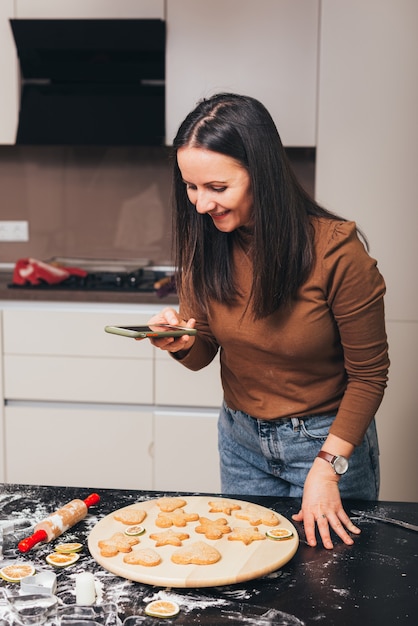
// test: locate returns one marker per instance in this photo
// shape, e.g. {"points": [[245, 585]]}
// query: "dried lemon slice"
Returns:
{"points": [[134, 530], [66, 548], [14, 572], [62, 560], [279, 533], [162, 608]]}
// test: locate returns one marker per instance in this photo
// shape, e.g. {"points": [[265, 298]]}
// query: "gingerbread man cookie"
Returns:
{"points": [[178, 518], [213, 529], [118, 542]]}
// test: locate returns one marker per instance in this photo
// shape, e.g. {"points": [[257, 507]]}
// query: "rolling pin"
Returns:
{"points": [[54, 525]]}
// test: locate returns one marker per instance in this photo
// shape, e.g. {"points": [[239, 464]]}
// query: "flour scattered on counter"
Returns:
{"points": [[187, 602], [238, 594], [252, 616]]}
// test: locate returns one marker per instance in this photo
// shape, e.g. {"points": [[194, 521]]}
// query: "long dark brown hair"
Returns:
{"points": [[282, 247]]}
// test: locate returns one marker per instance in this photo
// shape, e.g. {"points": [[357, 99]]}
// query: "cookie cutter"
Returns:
{"points": [[43, 583]]}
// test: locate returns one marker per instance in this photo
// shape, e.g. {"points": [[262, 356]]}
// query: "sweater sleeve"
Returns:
{"points": [[205, 346], [355, 291]]}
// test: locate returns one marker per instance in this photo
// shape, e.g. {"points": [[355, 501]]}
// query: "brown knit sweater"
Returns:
{"points": [[326, 353]]}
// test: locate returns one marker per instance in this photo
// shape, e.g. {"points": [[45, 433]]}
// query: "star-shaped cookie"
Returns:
{"points": [[246, 535]]}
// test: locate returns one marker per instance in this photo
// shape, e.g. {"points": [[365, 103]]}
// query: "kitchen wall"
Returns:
{"points": [[110, 203], [107, 203]]}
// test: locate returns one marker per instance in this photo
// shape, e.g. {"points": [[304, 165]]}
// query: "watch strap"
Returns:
{"points": [[327, 456]]}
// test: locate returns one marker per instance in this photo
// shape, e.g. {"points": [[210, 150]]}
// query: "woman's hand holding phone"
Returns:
{"points": [[172, 344]]}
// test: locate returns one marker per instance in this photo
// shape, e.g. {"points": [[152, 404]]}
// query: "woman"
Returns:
{"points": [[288, 293]]}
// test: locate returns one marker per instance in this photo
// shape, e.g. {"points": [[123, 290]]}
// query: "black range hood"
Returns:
{"points": [[91, 82]]}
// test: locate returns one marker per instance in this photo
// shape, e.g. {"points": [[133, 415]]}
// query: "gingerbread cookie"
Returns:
{"points": [[213, 529], [169, 504], [246, 535], [169, 537], [176, 518], [145, 556], [118, 542], [255, 516], [223, 506], [130, 516], [198, 553]]}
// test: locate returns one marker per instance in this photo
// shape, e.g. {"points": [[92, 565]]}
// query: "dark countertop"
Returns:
{"points": [[59, 294], [372, 582]]}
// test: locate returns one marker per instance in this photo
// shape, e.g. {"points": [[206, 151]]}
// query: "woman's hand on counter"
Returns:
{"points": [[322, 507], [173, 344]]}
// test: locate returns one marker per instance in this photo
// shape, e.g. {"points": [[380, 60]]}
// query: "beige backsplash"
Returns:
{"points": [[95, 202]]}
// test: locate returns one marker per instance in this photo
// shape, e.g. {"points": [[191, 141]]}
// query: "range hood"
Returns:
{"points": [[91, 82]]}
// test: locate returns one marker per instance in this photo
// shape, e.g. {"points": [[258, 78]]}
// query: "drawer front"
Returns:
{"points": [[78, 447], [72, 333], [75, 379], [178, 386], [186, 451]]}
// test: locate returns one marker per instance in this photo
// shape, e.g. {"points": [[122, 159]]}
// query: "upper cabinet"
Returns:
{"points": [[265, 48], [9, 76], [78, 9]]}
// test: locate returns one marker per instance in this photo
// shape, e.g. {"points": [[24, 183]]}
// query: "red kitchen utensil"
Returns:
{"points": [[57, 523]]}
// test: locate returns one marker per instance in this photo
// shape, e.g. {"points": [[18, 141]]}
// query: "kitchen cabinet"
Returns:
{"points": [[9, 76], [175, 385], [85, 445], [186, 450], [66, 356], [95, 408], [266, 49], [67, 9], [2, 463], [51, 9]]}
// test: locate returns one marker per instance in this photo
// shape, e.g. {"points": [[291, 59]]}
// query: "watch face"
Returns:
{"points": [[340, 465]]}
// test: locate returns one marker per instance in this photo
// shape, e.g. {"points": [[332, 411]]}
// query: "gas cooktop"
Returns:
{"points": [[110, 276]]}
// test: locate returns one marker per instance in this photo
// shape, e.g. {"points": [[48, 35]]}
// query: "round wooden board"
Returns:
{"points": [[238, 563]]}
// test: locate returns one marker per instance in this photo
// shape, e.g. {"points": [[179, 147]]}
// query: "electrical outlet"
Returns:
{"points": [[14, 231]]}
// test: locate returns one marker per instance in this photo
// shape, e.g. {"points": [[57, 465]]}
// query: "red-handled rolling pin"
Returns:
{"points": [[54, 525]]}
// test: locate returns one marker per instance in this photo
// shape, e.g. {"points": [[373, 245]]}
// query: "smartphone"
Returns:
{"points": [[156, 330]]}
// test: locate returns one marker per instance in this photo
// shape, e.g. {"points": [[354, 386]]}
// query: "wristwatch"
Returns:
{"points": [[338, 462]]}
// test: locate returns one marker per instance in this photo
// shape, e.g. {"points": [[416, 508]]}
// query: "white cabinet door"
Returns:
{"points": [[68, 332], [72, 379], [266, 49], [67, 356], [2, 464], [63, 9], [186, 451], [175, 385], [79, 446], [9, 76]]}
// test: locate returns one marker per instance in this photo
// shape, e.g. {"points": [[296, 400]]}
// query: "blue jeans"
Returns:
{"points": [[273, 457]]}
